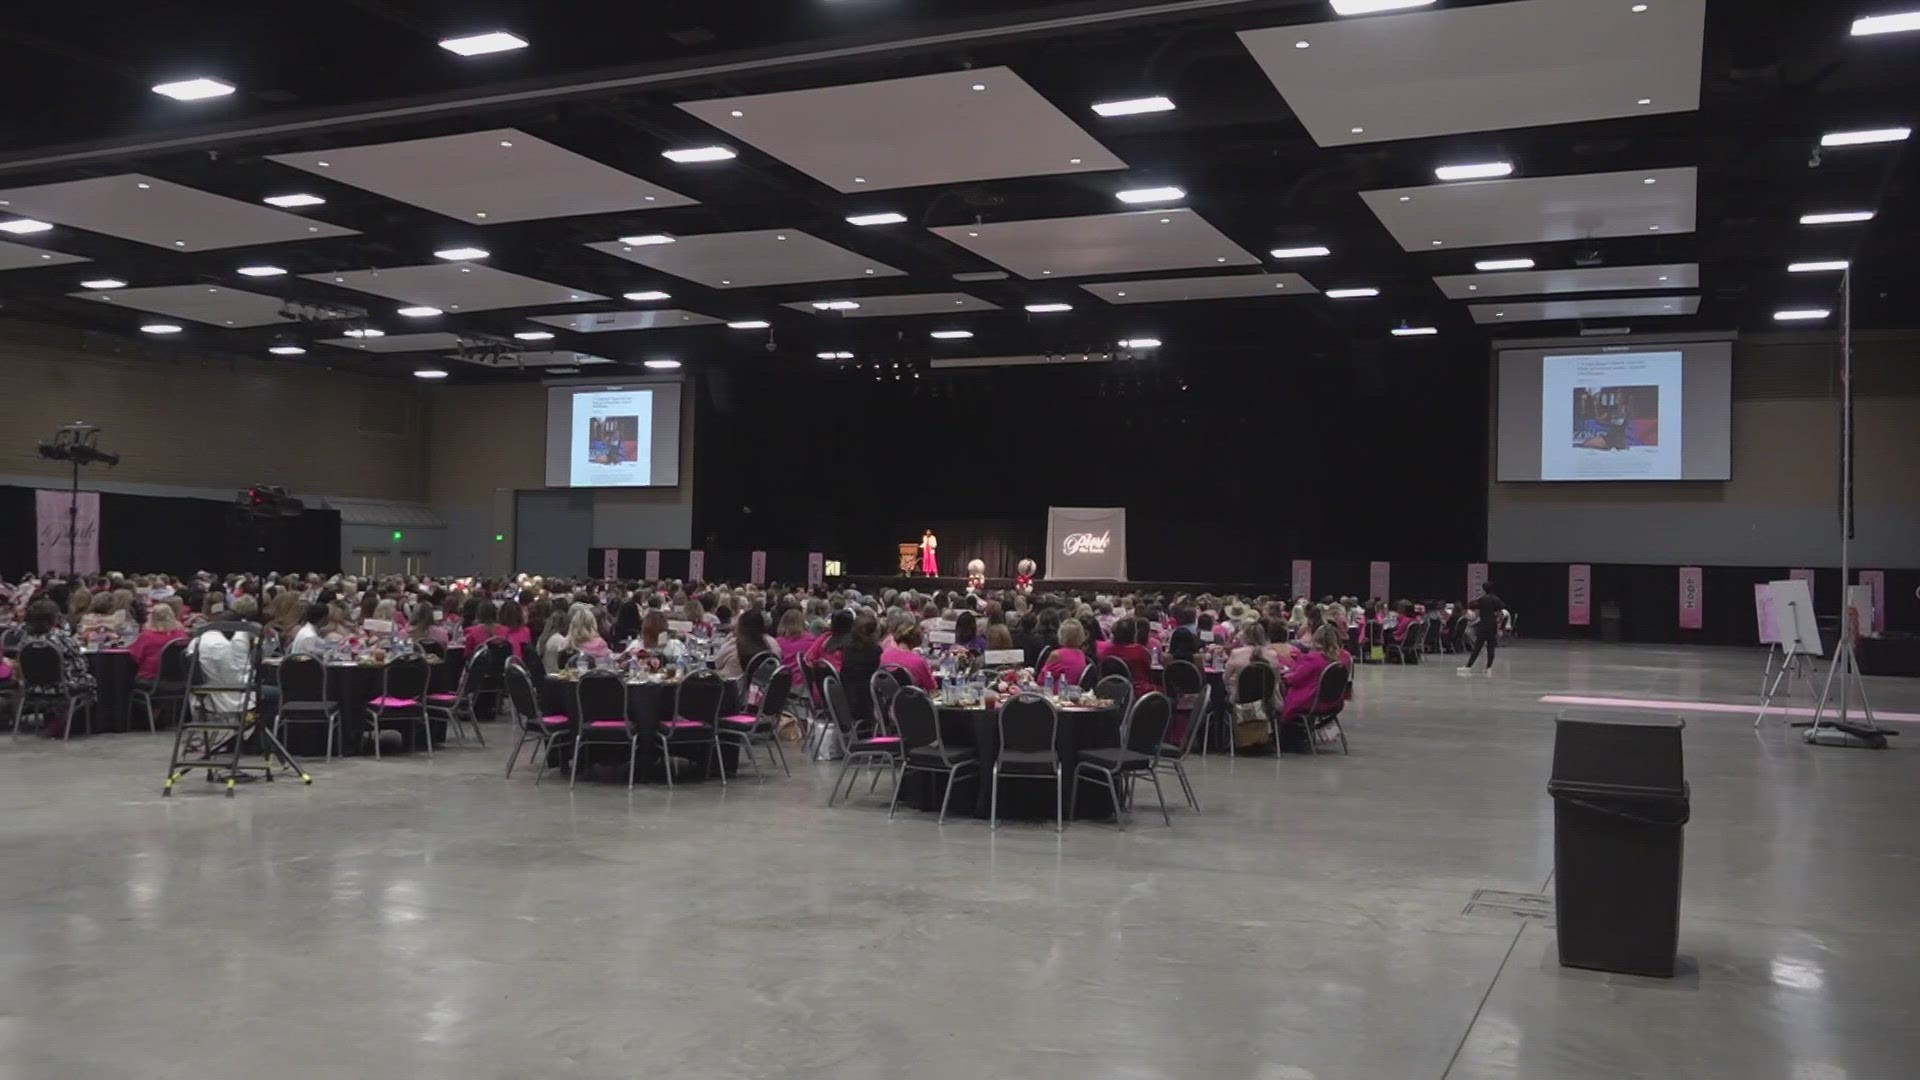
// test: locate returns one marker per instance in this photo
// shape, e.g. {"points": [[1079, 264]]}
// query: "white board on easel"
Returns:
{"points": [[1764, 615], [1793, 609]]}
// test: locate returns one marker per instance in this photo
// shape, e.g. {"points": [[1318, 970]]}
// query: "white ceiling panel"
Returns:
{"points": [[24, 256], [1126, 243], [741, 260], [208, 304], [880, 307], [901, 133], [1168, 290], [487, 177], [602, 322], [456, 286], [162, 214], [537, 358], [1536, 210], [398, 343], [1489, 67], [1589, 279], [1618, 307]]}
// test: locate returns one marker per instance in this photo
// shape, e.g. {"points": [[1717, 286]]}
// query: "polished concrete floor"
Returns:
{"points": [[424, 920]]}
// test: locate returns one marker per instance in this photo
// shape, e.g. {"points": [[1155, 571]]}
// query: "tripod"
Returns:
{"points": [[1793, 667]]}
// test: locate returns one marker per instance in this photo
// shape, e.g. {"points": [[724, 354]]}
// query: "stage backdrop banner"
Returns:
{"points": [[653, 566], [1806, 576], [51, 509], [1380, 581], [758, 568], [1476, 579], [1580, 595], [1691, 583], [1302, 577], [696, 566], [816, 568], [1087, 543], [1764, 616], [1877, 580], [610, 564]]}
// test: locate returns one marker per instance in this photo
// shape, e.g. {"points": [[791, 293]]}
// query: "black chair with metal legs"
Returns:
{"points": [[881, 687], [600, 703], [875, 752], [304, 700], [1174, 755], [1142, 738], [45, 691], [170, 687], [542, 731], [1090, 676], [1329, 697], [1181, 681], [919, 726], [402, 700], [755, 673], [1117, 689], [1029, 750], [1253, 686], [696, 722], [762, 725], [1113, 667]]}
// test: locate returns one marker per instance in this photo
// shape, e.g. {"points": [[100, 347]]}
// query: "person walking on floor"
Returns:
{"points": [[1486, 628]]}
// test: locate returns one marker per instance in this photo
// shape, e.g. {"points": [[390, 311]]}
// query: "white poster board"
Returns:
{"points": [[1087, 543], [1793, 608], [998, 657]]}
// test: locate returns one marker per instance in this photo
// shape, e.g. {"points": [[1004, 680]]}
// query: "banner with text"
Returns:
{"points": [[653, 566], [52, 516], [610, 564], [1476, 579], [1580, 595], [1302, 577], [1691, 584], [1806, 576], [816, 568], [1380, 580], [696, 566], [757, 568], [1877, 579], [1087, 543]]}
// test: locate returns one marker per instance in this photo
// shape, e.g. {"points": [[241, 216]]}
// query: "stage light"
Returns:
{"points": [[1843, 217], [1898, 23], [194, 89], [461, 254], [495, 41], [534, 335], [643, 297], [298, 199], [1134, 106], [695, 154], [1816, 267], [104, 283], [1479, 171], [1866, 138], [1504, 264], [1314, 252], [1151, 195], [1371, 7], [888, 218], [421, 312], [1352, 294], [261, 271], [649, 240]]}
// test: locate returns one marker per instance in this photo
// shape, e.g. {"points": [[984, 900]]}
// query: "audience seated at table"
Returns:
{"points": [[484, 626], [553, 638], [41, 626], [859, 659], [1129, 646], [1302, 679], [513, 627], [311, 637], [794, 639], [1254, 647], [583, 634], [901, 654], [1028, 638], [997, 638], [826, 650], [966, 633], [1070, 660], [422, 628], [162, 627], [748, 640]]}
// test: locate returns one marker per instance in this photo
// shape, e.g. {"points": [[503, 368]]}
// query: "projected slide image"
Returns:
{"points": [[612, 439], [1612, 417]]}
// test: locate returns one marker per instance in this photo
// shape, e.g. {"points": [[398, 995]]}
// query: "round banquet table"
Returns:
{"points": [[350, 686], [1020, 797], [113, 671], [646, 701]]}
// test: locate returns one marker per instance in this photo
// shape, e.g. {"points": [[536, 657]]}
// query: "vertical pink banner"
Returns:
{"points": [[1806, 576], [653, 566], [1878, 580], [1476, 579], [1764, 615], [1692, 583], [1579, 595], [757, 572], [52, 518], [1380, 580], [696, 566], [610, 564], [1302, 577], [816, 568]]}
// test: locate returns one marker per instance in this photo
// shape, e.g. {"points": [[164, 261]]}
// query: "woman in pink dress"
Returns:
{"points": [[930, 554]]}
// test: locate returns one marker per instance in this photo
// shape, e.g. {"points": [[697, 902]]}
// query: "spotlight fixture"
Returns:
{"points": [[951, 335], [1801, 315], [835, 355], [496, 41], [194, 89], [835, 305], [1140, 343], [1479, 171], [261, 271], [1048, 309], [1135, 196], [296, 199], [160, 328], [1886, 24], [694, 154], [421, 312], [1134, 106], [661, 365], [461, 254], [1817, 267], [365, 332], [286, 350]]}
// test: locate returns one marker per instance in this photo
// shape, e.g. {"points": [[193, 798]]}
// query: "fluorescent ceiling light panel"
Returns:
{"points": [[694, 154], [1141, 343], [1415, 331], [749, 324], [1504, 264], [482, 44], [1351, 294], [835, 355], [1817, 267], [1371, 7], [1886, 24], [1300, 253], [461, 254], [649, 240], [421, 312], [650, 294], [296, 199], [835, 305], [1048, 309], [1866, 138], [194, 89], [952, 335], [160, 328], [533, 335], [104, 283], [662, 365], [1134, 106], [1842, 217], [1801, 315], [261, 271], [366, 333], [1151, 195], [23, 226], [888, 218], [287, 350], [430, 373], [1485, 170]]}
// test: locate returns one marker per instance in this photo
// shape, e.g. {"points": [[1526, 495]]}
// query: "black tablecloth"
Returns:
{"points": [[1889, 656], [113, 671], [1020, 797], [645, 702], [350, 687]]}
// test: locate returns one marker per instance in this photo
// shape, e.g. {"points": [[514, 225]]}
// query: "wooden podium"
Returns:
{"points": [[910, 559]]}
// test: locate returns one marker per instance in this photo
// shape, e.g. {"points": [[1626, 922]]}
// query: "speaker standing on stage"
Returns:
{"points": [[930, 554]]}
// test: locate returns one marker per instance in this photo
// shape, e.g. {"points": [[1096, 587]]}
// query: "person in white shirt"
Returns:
{"points": [[309, 639]]}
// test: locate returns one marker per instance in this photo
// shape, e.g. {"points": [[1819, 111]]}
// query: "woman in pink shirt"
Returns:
{"points": [[162, 626], [486, 624], [513, 627], [583, 635], [1069, 661], [901, 654], [1302, 680], [793, 639]]}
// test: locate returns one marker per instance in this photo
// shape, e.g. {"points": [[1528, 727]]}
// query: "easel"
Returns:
{"points": [[1793, 662], [1799, 672]]}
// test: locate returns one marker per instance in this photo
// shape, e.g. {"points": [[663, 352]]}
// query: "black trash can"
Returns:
{"points": [[1620, 804]]}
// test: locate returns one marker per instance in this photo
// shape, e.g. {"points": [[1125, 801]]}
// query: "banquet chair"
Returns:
{"points": [[696, 721], [755, 673], [1407, 650], [457, 709], [1045, 655], [900, 675], [816, 675], [600, 704], [1181, 680], [919, 725], [1328, 699], [1090, 675], [877, 751], [403, 690], [170, 687], [1142, 739], [1113, 665], [1253, 686], [763, 723], [1024, 755], [524, 703], [882, 686], [1173, 754], [45, 691], [1117, 689], [303, 698]]}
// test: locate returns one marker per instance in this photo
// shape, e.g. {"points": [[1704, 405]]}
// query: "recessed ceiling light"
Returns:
{"points": [[1406, 198], [661, 365], [835, 355], [430, 373], [1303, 44], [1359, 131], [1477, 171], [533, 335], [1151, 195], [859, 179], [286, 350], [694, 154], [1801, 315], [1473, 288], [23, 226], [737, 114], [1351, 294], [1651, 180], [1502, 314], [1073, 161], [1842, 217], [951, 335], [1415, 331], [194, 89], [1140, 343], [1663, 277], [1438, 243], [261, 271], [835, 305], [1504, 264], [159, 328], [104, 283], [1886, 24], [1653, 228], [1817, 267], [887, 218], [649, 240], [1134, 106], [365, 332], [1048, 309], [297, 199], [646, 295], [749, 324], [1369, 7], [482, 44], [869, 271], [979, 86], [421, 312], [1639, 9], [461, 254], [1645, 101], [1314, 252], [1866, 138]]}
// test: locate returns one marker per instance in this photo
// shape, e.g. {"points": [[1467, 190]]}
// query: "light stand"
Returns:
{"points": [[77, 444]]}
